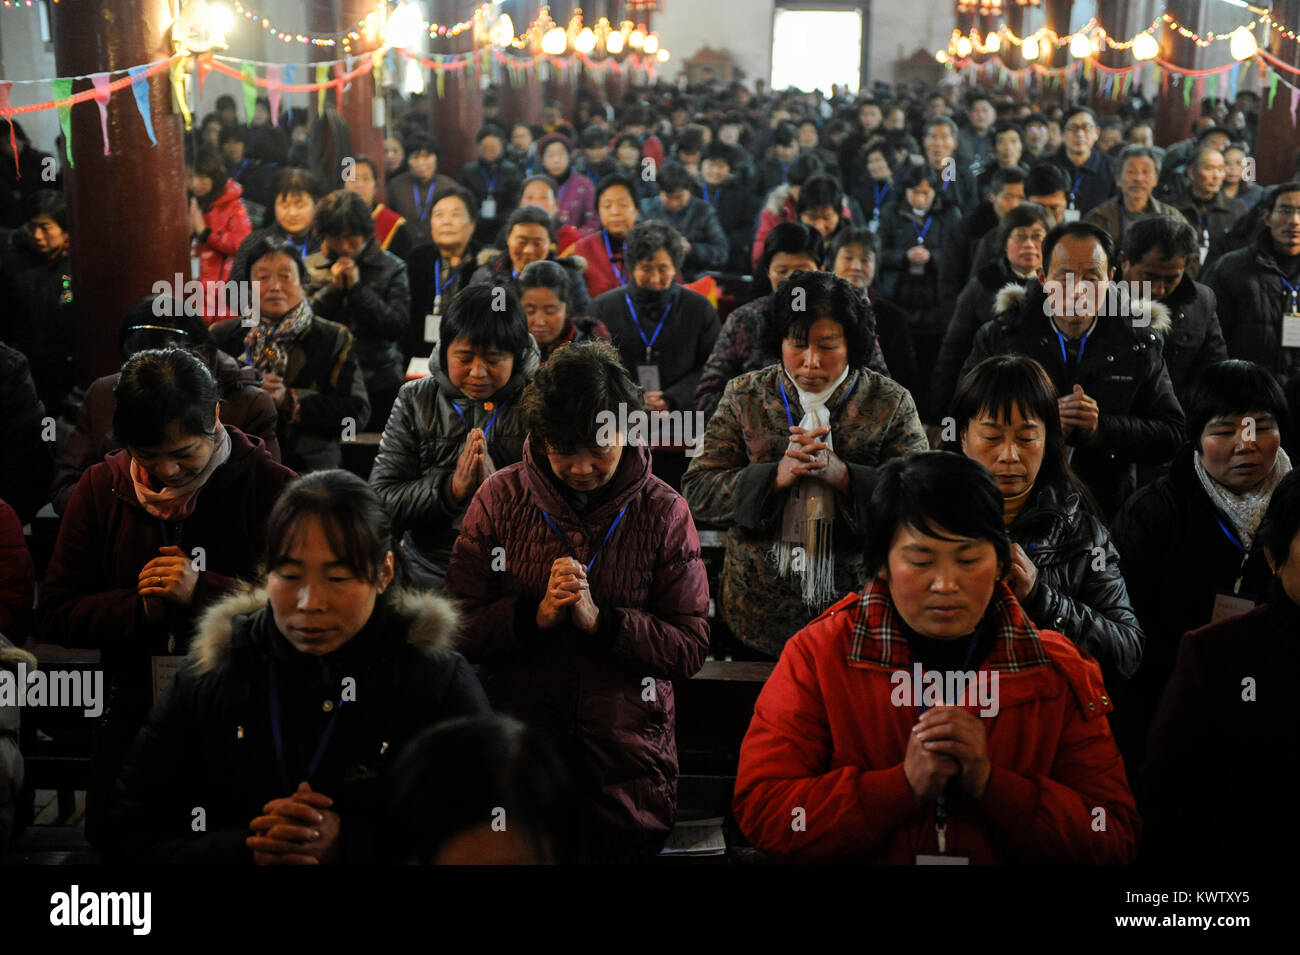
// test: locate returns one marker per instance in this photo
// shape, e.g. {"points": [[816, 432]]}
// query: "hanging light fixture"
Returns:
{"points": [[662, 55], [964, 47], [1080, 46], [614, 42], [636, 38], [651, 44], [585, 41], [202, 27], [1030, 48], [502, 33], [404, 26], [1242, 44], [1145, 47], [555, 41], [992, 43]]}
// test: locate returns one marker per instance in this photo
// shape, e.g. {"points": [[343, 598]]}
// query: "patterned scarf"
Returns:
{"points": [[267, 345], [178, 503], [810, 513], [1245, 511]]}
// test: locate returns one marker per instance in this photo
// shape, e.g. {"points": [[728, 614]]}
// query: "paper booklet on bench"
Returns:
{"points": [[696, 837], [418, 368]]}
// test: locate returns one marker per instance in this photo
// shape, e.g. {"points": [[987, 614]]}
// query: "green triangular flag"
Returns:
{"points": [[440, 81], [249, 72], [322, 74], [1272, 88], [62, 90], [1214, 86], [1187, 92]]}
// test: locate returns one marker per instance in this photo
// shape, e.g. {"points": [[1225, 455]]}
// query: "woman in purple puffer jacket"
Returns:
{"points": [[575, 193]]}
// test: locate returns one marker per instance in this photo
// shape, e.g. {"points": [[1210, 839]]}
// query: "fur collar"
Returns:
{"points": [[1012, 298], [777, 198], [434, 623]]}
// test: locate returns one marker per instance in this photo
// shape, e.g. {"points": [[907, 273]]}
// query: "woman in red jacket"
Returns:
{"points": [[583, 592], [218, 223], [926, 720]]}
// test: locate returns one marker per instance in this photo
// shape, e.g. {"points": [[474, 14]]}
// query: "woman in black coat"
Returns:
{"points": [[1065, 571], [1188, 541], [241, 761]]}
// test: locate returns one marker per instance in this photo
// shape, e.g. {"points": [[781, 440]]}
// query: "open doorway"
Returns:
{"points": [[811, 49]]}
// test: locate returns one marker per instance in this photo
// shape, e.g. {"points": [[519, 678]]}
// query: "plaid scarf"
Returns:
{"points": [[267, 344], [878, 637]]}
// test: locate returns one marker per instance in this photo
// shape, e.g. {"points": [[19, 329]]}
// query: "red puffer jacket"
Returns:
{"points": [[605, 700], [229, 225], [827, 739]]}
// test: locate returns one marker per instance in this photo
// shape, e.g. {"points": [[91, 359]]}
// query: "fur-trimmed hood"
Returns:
{"points": [[1012, 298], [435, 623], [777, 199]]}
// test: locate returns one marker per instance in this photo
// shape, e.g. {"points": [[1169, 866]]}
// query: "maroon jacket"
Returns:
{"points": [[244, 404], [17, 576], [605, 700]]}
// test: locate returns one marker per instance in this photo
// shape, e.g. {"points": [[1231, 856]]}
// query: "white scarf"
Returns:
{"points": [[810, 507], [1245, 511]]}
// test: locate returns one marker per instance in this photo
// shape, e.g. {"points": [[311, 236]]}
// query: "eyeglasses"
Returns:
{"points": [[1080, 127], [1034, 237], [1286, 212]]}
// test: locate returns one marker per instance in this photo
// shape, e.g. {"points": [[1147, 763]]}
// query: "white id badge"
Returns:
{"points": [[431, 327], [647, 377], [923, 858], [165, 669], [489, 208], [1229, 605], [1205, 250], [1071, 215], [196, 267], [1291, 330]]}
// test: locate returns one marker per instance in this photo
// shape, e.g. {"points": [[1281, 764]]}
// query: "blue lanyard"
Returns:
{"points": [[636, 321], [920, 233], [302, 249], [879, 193], [705, 187], [439, 285], [1295, 293], [180, 525], [1236, 541], [1075, 188], [491, 183], [491, 421], [274, 686], [1082, 344], [422, 209], [609, 253], [550, 521], [240, 171], [786, 401]]}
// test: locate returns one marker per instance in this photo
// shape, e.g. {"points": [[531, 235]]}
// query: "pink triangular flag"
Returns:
{"points": [[100, 81], [7, 112], [273, 90], [1295, 101]]}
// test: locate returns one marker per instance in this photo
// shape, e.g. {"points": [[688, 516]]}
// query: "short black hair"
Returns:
{"points": [[1006, 126], [1172, 236], [934, 491], [233, 134], [363, 160], [821, 295], [612, 179], [531, 215], [271, 244], [690, 141], [1006, 176], [420, 142], [791, 238], [157, 388], [1270, 198], [208, 162], [820, 192], [854, 235], [1281, 521], [295, 180], [1233, 387], [1046, 179], [545, 273], [912, 175], [491, 129], [50, 202], [647, 237], [459, 192], [593, 137], [1079, 230], [471, 316], [563, 403], [718, 151], [1025, 214], [804, 167], [356, 524], [934, 121], [786, 134], [1135, 151], [1075, 110], [498, 763], [343, 212], [672, 177], [1211, 131]]}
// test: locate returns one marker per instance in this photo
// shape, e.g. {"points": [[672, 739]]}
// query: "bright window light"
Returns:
{"points": [[811, 49]]}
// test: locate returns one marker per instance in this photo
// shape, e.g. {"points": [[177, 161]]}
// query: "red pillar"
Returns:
{"points": [[522, 102], [458, 113], [1057, 19], [1278, 139], [1173, 119], [358, 98], [128, 213], [1120, 20]]}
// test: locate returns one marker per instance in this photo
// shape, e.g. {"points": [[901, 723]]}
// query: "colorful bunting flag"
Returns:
{"points": [[273, 91], [100, 82], [140, 87], [62, 88]]}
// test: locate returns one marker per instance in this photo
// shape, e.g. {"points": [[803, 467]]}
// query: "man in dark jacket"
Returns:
{"points": [[208, 744], [26, 441], [1205, 205], [1258, 286], [736, 206], [1116, 400], [697, 222], [1006, 191], [358, 285], [1090, 172], [494, 181], [663, 332], [954, 184], [1157, 251], [410, 194]]}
